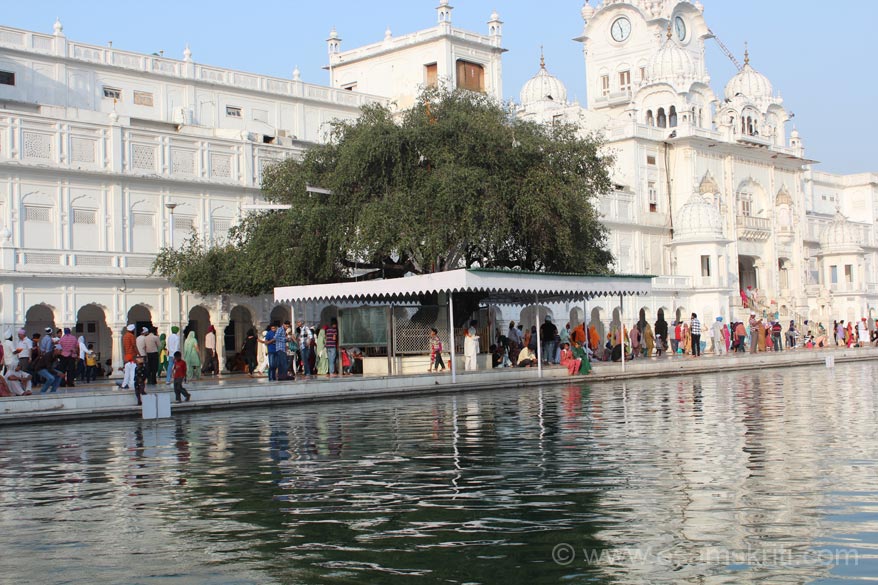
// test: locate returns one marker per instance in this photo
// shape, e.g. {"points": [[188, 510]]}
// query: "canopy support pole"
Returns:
{"points": [[621, 332], [451, 337], [390, 328], [539, 342]]}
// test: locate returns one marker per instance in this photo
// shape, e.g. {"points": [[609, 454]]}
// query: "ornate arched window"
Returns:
{"points": [[672, 117], [662, 119], [650, 120]]}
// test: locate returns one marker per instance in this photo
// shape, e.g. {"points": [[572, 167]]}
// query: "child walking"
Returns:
{"points": [[179, 376], [435, 351], [139, 379]]}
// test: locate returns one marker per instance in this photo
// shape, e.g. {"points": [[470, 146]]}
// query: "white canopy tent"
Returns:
{"points": [[501, 287]]}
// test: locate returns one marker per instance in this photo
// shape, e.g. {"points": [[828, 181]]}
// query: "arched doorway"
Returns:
{"points": [[140, 316], [577, 316], [681, 315], [533, 315], [91, 323], [747, 272], [279, 314], [199, 321], [643, 316], [597, 321], [240, 322], [37, 318]]}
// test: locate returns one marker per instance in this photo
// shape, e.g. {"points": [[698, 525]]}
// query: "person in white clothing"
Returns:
{"points": [[10, 358], [863, 333], [470, 349], [173, 346], [19, 382], [716, 333]]}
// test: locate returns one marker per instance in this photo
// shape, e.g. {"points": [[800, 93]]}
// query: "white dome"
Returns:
{"points": [[839, 232], [543, 87], [698, 219], [670, 63], [749, 83]]}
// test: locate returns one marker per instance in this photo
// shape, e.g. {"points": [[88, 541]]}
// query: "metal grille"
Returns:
{"points": [[33, 213], [84, 216], [411, 328]]}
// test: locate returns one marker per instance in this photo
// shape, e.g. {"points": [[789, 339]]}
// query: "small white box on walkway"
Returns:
{"points": [[156, 405]]}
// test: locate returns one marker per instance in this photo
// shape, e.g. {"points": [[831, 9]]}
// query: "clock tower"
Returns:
{"points": [[621, 38]]}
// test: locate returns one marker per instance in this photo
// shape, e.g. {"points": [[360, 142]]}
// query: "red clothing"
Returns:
{"points": [[179, 369], [129, 346]]}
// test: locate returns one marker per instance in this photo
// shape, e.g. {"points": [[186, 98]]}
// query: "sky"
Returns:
{"points": [[820, 54]]}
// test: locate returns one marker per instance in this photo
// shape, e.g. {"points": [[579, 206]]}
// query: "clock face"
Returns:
{"points": [[680, 28], [621, 29]]}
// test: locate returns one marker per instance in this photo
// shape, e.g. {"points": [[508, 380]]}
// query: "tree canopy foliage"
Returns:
{"points": [[457, 181]]}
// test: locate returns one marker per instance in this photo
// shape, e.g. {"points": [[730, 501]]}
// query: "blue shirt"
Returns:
{"points": [[280, 340], [269, 336]]}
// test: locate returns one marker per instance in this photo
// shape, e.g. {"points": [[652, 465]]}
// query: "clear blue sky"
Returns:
{"points": [[820, 54]]}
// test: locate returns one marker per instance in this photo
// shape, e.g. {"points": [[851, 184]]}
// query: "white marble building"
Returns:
{"points": [[714, 192], [95, 143], [107, 155]]}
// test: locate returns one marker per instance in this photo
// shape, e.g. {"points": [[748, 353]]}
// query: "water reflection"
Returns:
{"points": [[724, 478]]}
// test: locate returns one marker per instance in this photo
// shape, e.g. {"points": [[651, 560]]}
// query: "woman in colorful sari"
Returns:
{"points": [[635, 341], [322, 355], [727, 337], [568, 361], [687, 340], [580, 354], [163, 355], [760, 335], [648, 340], [192, 357]]}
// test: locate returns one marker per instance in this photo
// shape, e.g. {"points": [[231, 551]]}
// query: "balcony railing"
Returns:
{"points": [[63, 261], [753, 228], [672, 283]]}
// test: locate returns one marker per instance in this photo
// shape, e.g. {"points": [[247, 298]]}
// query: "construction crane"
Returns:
{"points": [[725, 49]]}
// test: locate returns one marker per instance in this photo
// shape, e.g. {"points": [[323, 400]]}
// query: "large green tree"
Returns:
{"points": [[456, 181]]}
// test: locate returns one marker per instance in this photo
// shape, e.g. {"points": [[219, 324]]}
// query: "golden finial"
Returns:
{"points": [[746, 54], [542, 59], [670, 34]]}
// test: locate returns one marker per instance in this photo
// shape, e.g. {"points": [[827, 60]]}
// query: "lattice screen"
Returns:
{"points": [[411, 328]]}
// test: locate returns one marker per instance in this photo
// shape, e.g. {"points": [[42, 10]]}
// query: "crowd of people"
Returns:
{"points": [[56, 358], [757, 334], [517, 348], [302, 351]]}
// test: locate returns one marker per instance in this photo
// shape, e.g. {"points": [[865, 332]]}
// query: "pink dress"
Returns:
{"points": [[569, 361]]}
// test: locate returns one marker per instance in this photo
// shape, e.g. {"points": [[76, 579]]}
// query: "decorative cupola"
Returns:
{"points": [[495, 28], [333, 43], [443, 13]]}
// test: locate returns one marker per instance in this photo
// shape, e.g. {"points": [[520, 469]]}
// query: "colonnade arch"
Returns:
{"points": [[38, 317], [91, 323]]}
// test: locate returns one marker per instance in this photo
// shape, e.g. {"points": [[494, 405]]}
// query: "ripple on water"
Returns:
{"points": [[728, 478]]}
